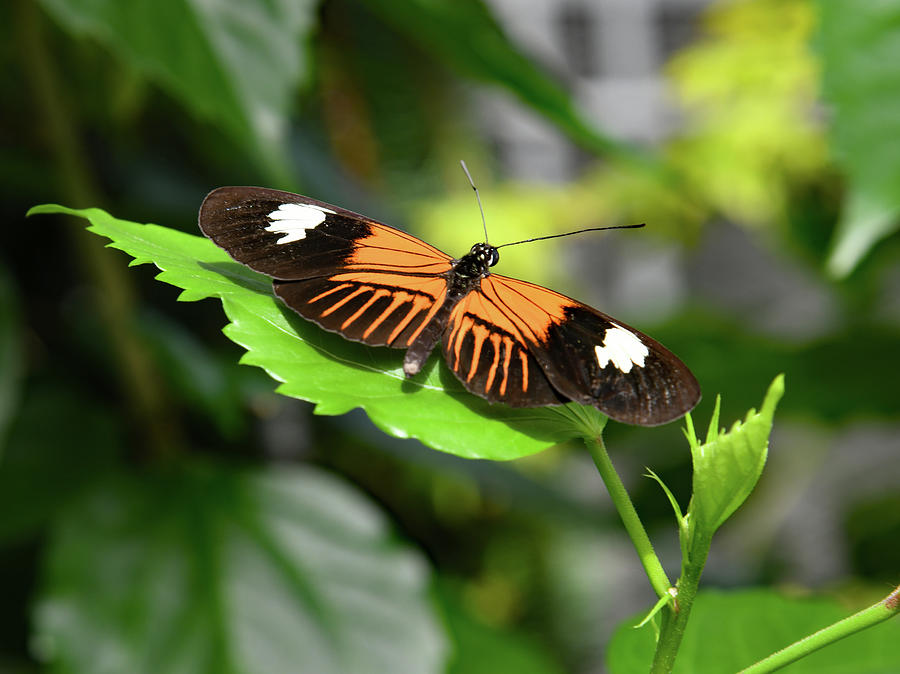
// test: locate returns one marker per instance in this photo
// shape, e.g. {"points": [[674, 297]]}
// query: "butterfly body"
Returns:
{"points": [[506, 340]]}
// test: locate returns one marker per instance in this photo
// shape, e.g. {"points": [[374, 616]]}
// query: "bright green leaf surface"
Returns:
{"points": [[730, 631], [236, 63], [728, 465], [860, 48], [210, 570], [336, 374]]}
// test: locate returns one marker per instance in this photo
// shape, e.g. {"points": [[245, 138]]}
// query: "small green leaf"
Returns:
{"points": [[860, 48], [336, 374], [211, 570], [728, 465], [235, 63], [731, 630]]}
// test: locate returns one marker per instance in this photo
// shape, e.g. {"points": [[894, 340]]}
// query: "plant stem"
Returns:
{"points": [[886, 608], [675, 617], [630, 519]]}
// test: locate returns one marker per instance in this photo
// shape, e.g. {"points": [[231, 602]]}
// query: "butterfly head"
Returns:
{"points": [[478, 261], [485, 254]]}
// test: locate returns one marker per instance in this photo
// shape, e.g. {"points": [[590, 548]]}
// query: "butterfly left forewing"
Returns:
{"points": [[593, 359], [290, 237], [349, 274]]}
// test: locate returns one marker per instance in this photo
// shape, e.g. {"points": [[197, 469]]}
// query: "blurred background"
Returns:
{"points": [[162, 509]]}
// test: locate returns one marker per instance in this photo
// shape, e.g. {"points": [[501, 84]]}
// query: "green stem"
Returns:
{"points": [[886, 608], [630, 519], [675, 616]]}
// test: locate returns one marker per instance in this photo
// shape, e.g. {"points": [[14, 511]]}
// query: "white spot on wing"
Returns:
{"points": [[293, 220], [623, 348]]}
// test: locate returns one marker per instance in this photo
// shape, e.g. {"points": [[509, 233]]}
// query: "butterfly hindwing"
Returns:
{"points": [[370, 307], [583, 354], [493, 362]]}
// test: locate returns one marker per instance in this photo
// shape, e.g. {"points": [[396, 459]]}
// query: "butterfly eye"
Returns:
{"points": [[495, 257]]}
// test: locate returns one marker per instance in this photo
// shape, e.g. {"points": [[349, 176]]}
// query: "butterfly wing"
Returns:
{"points": [[349, 274], [501, 331]]}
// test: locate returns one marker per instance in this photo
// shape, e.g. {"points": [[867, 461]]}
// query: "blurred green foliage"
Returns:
{"points": [[148, 518]]}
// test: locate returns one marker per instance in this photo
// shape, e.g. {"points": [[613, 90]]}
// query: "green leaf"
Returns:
{"points": [[235, 63], [210, 570], [728, 465], [336, 374], [731, 630], [439, 27], [860, 48]]}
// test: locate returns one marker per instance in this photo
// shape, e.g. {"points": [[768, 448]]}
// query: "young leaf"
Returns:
{"points": [[731, 630], [210, 570], [728, 465], [336, 374]]}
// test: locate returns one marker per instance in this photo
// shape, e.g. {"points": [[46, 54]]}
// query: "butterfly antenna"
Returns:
{"points": [[477, 197], [579, 231]]}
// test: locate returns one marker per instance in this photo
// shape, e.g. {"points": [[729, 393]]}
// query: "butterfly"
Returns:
{"points": [[506, 340]]}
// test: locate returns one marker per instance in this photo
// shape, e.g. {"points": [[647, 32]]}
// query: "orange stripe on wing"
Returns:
{"points": [[397, 299], [507, 356], [328, 292], [463, 325], [480, 333], [434, 309], [341, 302], [418, 303], [492, 372], [392, 250], [524, 358], [532, 308], [377, 294]]}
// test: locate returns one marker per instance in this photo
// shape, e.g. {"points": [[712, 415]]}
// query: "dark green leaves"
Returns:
{"points": [[210, 570], [336, 374], [860, 47], [235, 63]]}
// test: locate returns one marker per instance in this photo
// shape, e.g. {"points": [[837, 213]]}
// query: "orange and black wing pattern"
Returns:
{"points": [[522, 344], [508, 341], [352, 275]]}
